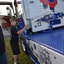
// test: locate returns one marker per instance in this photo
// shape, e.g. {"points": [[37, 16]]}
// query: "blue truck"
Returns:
{"points": [[43, 40]]}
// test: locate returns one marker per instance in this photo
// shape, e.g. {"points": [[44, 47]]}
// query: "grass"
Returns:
{"points": [[22, 58]]}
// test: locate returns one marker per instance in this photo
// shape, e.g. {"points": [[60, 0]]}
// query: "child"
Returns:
{"points": [[14, 39]]}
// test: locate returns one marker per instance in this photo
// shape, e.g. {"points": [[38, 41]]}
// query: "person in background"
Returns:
{"points": [[14, 39], [3, 58]]}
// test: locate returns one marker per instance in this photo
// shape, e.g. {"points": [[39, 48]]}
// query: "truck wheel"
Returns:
{"points": [[24, 47]]}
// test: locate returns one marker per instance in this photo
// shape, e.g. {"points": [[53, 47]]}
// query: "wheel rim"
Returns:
{"points": [[23, 46]]}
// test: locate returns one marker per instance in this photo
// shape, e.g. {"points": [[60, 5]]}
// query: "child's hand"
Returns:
{"points": [[22, 30]]}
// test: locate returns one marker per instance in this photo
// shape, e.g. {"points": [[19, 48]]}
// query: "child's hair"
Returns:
{"points": [[12, 19]]}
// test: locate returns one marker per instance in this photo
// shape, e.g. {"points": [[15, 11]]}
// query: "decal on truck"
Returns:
{"points": [[51, 3]]}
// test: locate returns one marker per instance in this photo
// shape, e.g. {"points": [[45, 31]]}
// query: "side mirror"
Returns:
{"points": [[9, 11]]}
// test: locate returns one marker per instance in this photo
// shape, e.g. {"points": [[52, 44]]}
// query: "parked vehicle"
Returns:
{"points": [[43, 41]]}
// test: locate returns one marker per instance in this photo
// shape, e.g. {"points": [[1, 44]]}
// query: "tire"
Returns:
{"points": [[24, 46]]}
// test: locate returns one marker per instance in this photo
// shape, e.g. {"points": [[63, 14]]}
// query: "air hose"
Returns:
{"points": [[51, 28]]}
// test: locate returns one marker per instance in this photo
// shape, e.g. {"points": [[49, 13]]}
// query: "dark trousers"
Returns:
{"points": [[3, 59]]}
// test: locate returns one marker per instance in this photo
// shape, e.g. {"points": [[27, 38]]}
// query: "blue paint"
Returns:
{"points": [[33, 58], [53, 40], [51, 0], [51, 23], [54, 22], [21, 24], [53, 16]]}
